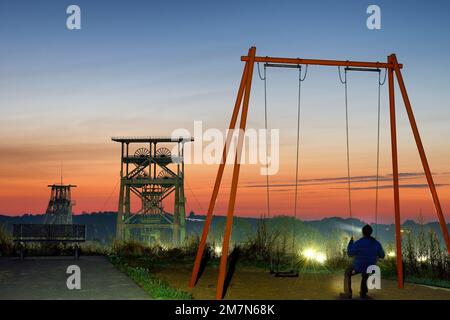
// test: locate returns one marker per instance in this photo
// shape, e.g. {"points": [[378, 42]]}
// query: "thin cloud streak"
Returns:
{"points": [[341, 180], [404, 186]]}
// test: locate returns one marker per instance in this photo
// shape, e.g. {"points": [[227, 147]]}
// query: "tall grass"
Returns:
{"points": [[156, 288], [275, 249], [139, 261], [6, 242], [425, 257]]}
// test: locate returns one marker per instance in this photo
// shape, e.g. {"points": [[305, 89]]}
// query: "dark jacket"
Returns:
{"points": [[366, 252]]}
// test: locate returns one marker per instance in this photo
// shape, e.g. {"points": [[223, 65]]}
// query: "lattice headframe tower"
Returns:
{"points": [[59, 209], [152, 169]]}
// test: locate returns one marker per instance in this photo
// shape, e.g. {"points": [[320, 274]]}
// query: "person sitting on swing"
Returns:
{"points": [[365, 251]]}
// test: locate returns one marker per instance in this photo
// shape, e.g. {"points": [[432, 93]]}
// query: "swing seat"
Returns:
{"points": [[286, 274]]}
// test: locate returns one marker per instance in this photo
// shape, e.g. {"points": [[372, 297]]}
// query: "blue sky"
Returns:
{"points": [[149, 67], [137, 52]]}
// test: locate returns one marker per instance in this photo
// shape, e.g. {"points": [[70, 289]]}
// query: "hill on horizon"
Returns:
{"points": [[101, 226]]}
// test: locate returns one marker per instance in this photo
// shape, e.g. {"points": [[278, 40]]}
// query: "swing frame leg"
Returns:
{"points": [[234, 182], [395, 68], [202, 244], [395, 177], [421, 150]]}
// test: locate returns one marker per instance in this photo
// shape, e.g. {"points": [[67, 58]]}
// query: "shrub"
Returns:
{"points": [[6, 242]]}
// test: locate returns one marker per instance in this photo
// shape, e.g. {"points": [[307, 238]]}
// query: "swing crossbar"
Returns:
{"points": [[319, 62]]}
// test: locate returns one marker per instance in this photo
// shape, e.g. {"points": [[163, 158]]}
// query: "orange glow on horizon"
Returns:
{"points": [[319, 196]]}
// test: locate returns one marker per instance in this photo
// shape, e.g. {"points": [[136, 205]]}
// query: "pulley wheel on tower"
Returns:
{"points": [[142, 175], [142, 152], [164, 174], [163, 152], [153, 189]]}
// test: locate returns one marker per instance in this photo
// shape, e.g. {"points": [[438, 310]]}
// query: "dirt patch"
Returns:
{"points": [[254, 283]]}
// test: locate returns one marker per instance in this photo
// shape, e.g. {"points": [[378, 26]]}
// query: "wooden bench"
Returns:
{"points": [[49, 233]]}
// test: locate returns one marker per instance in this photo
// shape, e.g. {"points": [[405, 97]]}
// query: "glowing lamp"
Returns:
{"points": [[315, 256], [391, 254], [218, 250]]}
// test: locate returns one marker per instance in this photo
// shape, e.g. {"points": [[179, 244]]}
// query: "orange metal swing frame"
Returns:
{"points": [[242, 101]]}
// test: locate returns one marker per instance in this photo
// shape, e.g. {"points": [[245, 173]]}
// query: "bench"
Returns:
{"points": [[49, 233]]}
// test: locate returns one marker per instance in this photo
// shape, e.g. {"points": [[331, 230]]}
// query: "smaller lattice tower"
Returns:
{"points": [[59, 210]]}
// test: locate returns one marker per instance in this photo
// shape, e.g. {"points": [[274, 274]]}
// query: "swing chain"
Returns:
{"points": [[347, 129], [384, 78], [380, 83], [267, 138], [300, 80], [259, 72], [300, 72], [340, 77], [344, 82]]}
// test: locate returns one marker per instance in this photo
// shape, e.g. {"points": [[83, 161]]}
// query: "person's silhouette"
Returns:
{"points": [[365, 251]]}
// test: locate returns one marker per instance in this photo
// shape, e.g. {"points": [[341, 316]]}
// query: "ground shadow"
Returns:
{"points": [[233, 259], [205, 259]]}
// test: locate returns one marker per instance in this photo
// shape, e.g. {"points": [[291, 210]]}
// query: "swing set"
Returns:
{"points": [[392, 68]]}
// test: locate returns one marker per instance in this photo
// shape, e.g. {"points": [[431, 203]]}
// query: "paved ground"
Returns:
{"points": [[45, 278]]}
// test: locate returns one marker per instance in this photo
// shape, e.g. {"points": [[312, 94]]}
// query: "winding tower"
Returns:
{"points": [[59, 210], [152, 169]]}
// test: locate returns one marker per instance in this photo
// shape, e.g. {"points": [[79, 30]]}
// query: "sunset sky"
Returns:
{"points": [[151, 67]]}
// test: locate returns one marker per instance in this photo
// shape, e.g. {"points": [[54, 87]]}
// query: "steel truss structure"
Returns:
{"points": [[151, 173], [59, 209]]}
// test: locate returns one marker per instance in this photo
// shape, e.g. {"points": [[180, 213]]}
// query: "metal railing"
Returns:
{"points": [[49, 232]]}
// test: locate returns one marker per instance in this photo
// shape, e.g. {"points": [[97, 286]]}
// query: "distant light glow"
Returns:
{"points": [[314, 255], [391, 254], [309, 253], [422, 259], [321, 257], [350, 228]]}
